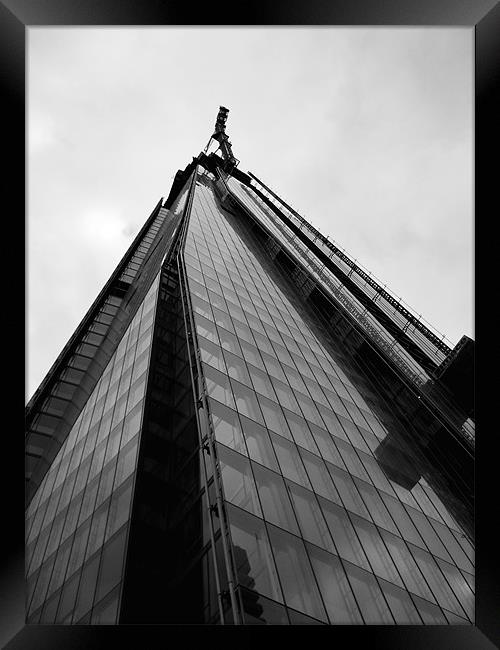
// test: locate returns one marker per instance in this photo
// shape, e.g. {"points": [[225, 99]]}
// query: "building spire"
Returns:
{"points": [[221, 137]]}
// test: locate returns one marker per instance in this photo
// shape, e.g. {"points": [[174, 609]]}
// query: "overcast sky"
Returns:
{"points": [[367, 132]]}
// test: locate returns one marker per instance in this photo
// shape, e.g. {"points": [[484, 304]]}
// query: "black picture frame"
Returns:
{"points": [[483, 16]]}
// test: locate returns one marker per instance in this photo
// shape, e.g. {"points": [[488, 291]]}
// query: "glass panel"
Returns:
{"points": [[110, 572], [368, 596], [408, 569], [334, 586], [352, 460], [261, 382], [289, 460], [297, 579], [428, 534], [243, 331], [206, 328], [375, 506], [459, 586], [223, 319], [376, 552], [126, 461], [237, 479], [453, 547], [347, 490], [106, 482], [343, 534], [87, 588], [320, 478], [273, 367], [327, 446], [309, 410], [251, 354], [96, 537], [262, 611], [79, 547], [401, 604], [274, 498], [301, 431], [202, 307], [67, 601], [227, 427], [237, 368], [444, 595], [252, 552], [298, 618], [246, 401], [286, 396], [258, 443], [294, 379], [104, 613], [431, 614], [311, 521], [274, 417], [119, 509], [212, 354], [218, 386], [454, 619]]}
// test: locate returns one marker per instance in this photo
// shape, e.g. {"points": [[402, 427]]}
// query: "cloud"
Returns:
{"points": [[365, 131], [41, 134]]}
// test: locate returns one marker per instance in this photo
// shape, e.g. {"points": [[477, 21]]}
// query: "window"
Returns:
{"points": [[289, 460], [401, 604], [218, 386], [311, 521], [319, 476], [212, 354], [273, 367], [334, 586], [274, 417], [246, 401], [111, 564], [223, 319], [286, 396], [258, 443], [444, 595], [348, 492], [274, 498], [376, 551], [237, 479], [252, 355], [254, 561], [301, 431], [297, 579], [368, 596], [407, 566], [227, 427], [86, 590], [126, 461], [206, 328], [346, 541], [229, 341]]}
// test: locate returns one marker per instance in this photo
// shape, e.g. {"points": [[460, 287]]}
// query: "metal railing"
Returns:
{"points": [[384, 341]]}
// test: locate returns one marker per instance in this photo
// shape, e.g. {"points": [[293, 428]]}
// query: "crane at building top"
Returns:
{"points": [[221, 137]]}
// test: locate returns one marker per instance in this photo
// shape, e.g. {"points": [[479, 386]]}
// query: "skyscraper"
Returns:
{"points": [[246, 428]]}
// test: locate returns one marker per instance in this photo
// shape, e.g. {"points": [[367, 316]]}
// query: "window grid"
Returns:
{"points": [[79, 532], [271, 329]]}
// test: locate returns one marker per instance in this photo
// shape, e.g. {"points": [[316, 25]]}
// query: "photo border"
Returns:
{"points": [[483, 16]]}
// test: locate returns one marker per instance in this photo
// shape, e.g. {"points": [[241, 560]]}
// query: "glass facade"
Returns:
{"points": [[239, 459], [324, 532], [77, 522]]}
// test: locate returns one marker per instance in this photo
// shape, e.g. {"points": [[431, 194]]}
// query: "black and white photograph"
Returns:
{"points": [[250, 326]]}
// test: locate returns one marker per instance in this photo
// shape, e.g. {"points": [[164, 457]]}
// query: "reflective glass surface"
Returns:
{"points": [[322, 528], [78, 519]]}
